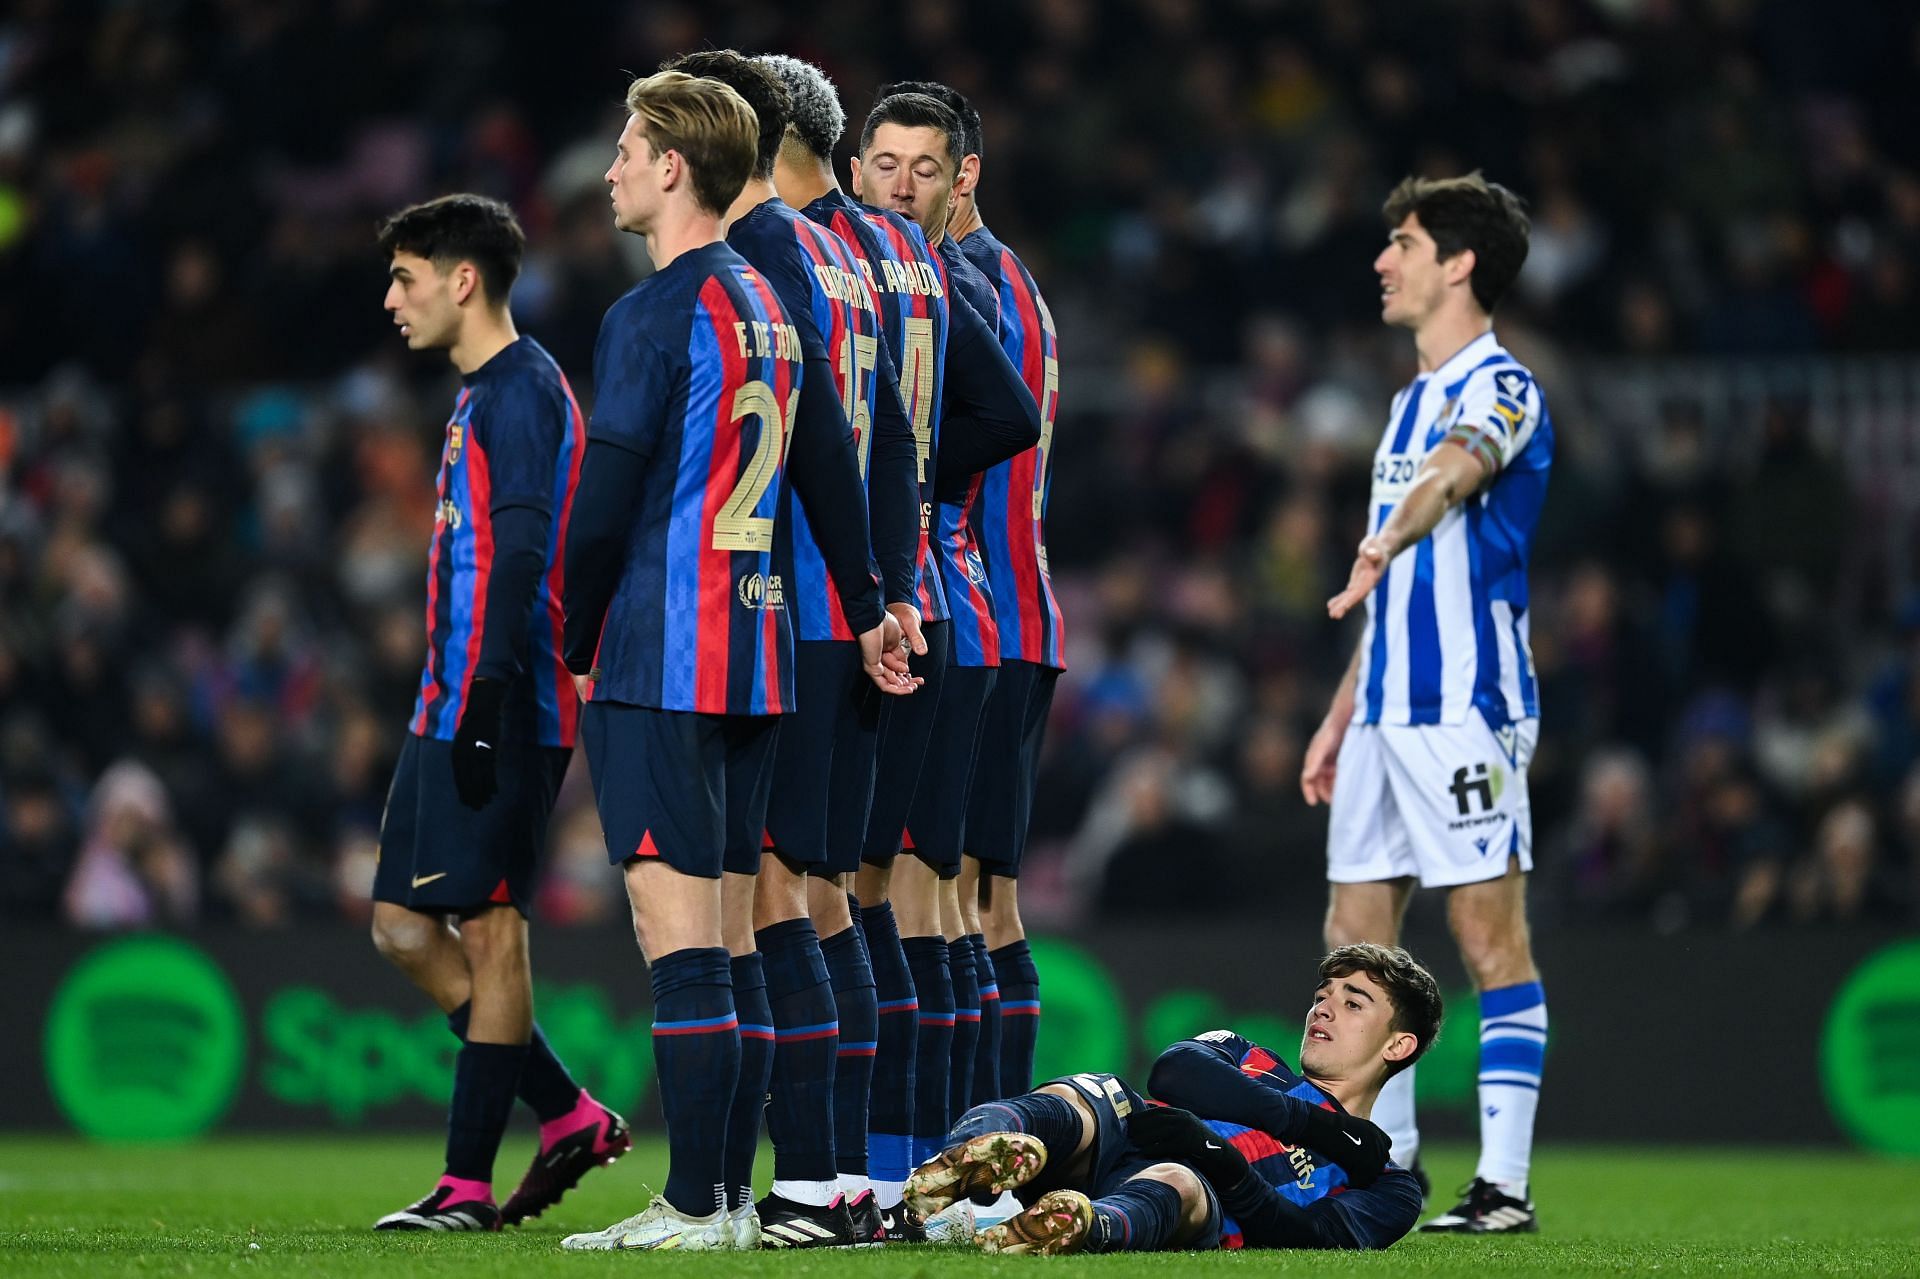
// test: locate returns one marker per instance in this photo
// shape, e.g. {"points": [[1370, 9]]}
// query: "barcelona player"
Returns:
{"points": [[825, 297], [1245, 1153], [1009, 520], [906, 164], [493, 725], [677, 630]]}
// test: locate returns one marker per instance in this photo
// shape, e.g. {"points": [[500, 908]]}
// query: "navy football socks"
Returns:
{"points": [[806, 1038], [933, 1049], [696, 1054], [1019, 1015], [1052, 1119], [857, 1007], [545, 1084], [986, 1058], [1141, 1216], [485, 1077], [756, 1071], [966, 1025], [890, 1144]]}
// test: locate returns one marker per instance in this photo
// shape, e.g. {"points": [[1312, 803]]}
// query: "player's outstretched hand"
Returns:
{"points": [[476, 742], [882, 655], [1167, 1132], [1321, 765], [909, 618], [583, 685], [1360, 1147], [1369, 565]]}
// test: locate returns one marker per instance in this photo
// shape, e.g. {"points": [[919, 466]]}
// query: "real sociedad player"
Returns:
{"points": [[1245, 1152], [820, 287], [1009, 520], [907, 163], [676, 627], [493, 726], [1423, 754]]}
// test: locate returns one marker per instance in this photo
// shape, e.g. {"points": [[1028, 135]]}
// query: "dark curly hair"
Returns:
{"points": [[1410, 988]]}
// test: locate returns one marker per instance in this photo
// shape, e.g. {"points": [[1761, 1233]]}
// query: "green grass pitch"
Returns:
{"points": [[301, 1206]]}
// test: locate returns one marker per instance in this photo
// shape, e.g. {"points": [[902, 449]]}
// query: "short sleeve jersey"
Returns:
{"points": [[1447, 626]]}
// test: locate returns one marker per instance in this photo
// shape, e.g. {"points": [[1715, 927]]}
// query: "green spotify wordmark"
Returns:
{"points": [[146, 1041], [1870, 1052]]}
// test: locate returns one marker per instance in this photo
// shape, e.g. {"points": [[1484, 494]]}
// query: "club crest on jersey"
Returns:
{"points": [[456, 435], [761, 591]]}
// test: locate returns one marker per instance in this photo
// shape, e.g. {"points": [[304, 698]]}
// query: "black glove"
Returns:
{"points": [[477, 741], [1167, 1132], [1360, 1147]]}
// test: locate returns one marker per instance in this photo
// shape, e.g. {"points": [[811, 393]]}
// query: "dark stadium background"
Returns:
{"points": [[216, 457]]}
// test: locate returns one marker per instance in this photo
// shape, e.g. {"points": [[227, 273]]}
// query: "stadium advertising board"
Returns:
{"points": [[161, 1038]]}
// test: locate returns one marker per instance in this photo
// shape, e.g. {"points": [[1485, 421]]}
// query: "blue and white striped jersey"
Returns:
{"points": [[1447, 626]]}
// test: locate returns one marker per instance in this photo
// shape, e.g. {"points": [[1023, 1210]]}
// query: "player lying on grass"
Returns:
{"points": [[1245, 1153]]}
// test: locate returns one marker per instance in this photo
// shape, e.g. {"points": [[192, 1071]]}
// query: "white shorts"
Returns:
{"points": [[1444, 802]]}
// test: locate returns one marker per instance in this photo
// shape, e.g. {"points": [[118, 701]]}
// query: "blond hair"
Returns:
{"points": [[710, 125]]}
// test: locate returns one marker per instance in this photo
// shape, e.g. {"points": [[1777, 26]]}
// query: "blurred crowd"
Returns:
{"points": [[216, 460]]}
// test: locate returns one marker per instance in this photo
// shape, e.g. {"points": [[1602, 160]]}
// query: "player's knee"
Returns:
{"points": [[1347, 928], [493, 937], [1186, 1183], [402, 936]]}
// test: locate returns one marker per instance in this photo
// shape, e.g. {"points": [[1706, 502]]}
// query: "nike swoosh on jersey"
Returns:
{"points": [[418, 880]]}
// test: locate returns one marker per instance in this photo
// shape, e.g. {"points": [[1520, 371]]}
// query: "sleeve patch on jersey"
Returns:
{"points": [[1512, 384], [1509, 411], [1477, 441]]}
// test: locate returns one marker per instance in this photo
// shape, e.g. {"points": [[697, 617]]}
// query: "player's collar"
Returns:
{"points": [[1466, 357]]}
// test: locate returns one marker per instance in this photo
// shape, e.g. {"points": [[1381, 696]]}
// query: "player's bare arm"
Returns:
{"points": [[1449, 477], [1323, 752]]}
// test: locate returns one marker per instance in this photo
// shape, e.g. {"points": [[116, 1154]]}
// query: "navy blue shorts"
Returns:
{"points": [[1112, 1160], [906, 727], [441, 857], [688, 788], [937, 822], [1011, 734], [823, 767]]}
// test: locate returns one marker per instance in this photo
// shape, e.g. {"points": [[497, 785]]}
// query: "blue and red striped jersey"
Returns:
{"points": [[908, 285], [515, 440], [1189, 1074], [815, 276], [697, 371], [1010, 517], [955, 547]]}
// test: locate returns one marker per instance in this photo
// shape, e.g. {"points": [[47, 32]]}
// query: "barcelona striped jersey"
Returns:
{"points": [[909, 288], [1447, 626], [955, 547], [697, 371], [515, 440], [1009, 518], [1372, 1218], [814, 275]]}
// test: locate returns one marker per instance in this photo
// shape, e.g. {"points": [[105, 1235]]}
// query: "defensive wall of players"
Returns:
{"points": [[157, 1037]]}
